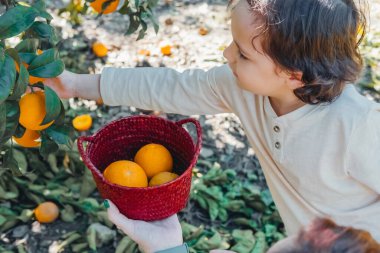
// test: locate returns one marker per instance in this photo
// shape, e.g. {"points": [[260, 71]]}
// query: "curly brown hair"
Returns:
{"points": [[325, 236], [319, 38]]}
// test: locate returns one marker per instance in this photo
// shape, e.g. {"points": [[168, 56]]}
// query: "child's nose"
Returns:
{"points": [[227, 53]]}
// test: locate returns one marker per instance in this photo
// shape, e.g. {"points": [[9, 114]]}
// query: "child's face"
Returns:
{"points": [[254, 70]]}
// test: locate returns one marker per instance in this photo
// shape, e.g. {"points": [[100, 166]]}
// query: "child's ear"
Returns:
{"points": [[295, 80]]}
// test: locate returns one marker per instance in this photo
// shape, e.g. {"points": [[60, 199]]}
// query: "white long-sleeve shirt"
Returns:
{"points": [[319, 160]]}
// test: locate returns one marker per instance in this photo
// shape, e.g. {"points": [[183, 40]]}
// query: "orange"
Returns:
{"points": [[154, 158], [99, 49], [203, 31], [46, 212], [98, 6], [126, 173], [29, 139], [166, 49], [144, 52], [82, 122], [33, 111], [162, 178]]}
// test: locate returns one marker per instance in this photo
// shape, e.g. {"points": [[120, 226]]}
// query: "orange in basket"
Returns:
{"points": [[154, 158], [126, 173]]}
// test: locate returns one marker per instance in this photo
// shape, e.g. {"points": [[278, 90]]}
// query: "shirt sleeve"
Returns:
{"points": [[363, 153], [190, 92]]}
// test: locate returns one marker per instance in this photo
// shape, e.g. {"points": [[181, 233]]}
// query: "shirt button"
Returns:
{"points": [[277, 145], [276, 129]]}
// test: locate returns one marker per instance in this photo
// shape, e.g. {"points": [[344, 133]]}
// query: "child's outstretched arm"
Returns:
{"points": [[193, 91], [190, 92]]}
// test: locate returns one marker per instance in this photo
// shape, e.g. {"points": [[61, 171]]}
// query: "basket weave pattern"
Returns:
{"points": [[120, 140]]}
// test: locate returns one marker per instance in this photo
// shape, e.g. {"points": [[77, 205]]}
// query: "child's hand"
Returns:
{"points": [[63, 85], [150, 236]]}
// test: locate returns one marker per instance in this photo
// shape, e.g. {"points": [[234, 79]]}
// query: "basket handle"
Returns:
{"points": [[199, 131], [80, 141], [82, 152]]}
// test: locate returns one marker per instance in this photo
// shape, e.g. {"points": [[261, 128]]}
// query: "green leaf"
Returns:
{"points": [[25, 215], [61, 117], [2, 220], [11, 163], [126, 245], [27, 46], [89, 205], [87, 184], [68, 214], [27, 57], [143, 30], [205, 243], [261, 245], [245, 240], [134, 23], [21, 84], [19, 132], [153, 20], [16, 20], [124, 9], [11, 121], [7, 212], [48, 56], [247, 222], [7, 77], [266, 197], [152, 3], [45, 31], [21, 160], [213, 209], [23, 77], [14, 54], [52, 105], [41, 7], [48, 146], [3, 119], [60, 134], [49, 70]]}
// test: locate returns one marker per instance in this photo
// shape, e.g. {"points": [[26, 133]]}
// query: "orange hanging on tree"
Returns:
{"points": [[29, 139], [33, 111], [97, 5]]}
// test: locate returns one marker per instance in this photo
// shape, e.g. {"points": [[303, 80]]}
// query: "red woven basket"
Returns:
{"points": [[120, 140]]}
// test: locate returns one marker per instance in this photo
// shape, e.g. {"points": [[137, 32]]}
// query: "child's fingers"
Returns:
{"points": [[122, 222]]}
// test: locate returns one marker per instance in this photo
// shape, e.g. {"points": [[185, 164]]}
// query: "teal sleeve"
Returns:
{"points": [[179, 249]]}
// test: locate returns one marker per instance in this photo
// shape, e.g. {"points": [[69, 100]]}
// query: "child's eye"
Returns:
{"points": [[242, 56]]}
